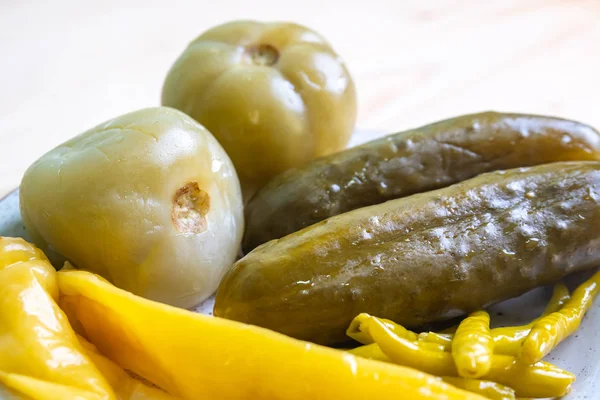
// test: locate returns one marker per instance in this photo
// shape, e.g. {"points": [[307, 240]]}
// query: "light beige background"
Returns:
{"points": [[66, 66]]}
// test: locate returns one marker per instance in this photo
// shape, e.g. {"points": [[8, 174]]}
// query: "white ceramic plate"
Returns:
{"points": [[579, 354]]}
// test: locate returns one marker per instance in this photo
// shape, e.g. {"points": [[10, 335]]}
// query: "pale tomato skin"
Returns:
{"points": [[275, 95], [148, 200]]}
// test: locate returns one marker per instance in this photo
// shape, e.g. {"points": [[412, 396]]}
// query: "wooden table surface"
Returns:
{"points": [[69, 65]]}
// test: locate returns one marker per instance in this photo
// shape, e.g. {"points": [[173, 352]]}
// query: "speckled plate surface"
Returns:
{"points": [[579, 354]]}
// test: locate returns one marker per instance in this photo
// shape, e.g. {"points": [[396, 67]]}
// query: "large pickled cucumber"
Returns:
{"points": [[414, 161], [425, 257]]}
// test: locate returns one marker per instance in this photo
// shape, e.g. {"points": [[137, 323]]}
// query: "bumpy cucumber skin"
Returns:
{"points": [[425, 257], [414, 161]]}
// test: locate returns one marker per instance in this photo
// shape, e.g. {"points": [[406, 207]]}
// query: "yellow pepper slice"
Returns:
{"points": [[359, 330], [39, 353], [473, 346], [15, 250], [538, 380], [200, 357], [552, 329], [44, 390], [126, 387], [488, 389]]}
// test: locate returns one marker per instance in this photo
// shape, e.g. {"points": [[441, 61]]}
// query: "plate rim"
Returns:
{"points": [[10, 193]]}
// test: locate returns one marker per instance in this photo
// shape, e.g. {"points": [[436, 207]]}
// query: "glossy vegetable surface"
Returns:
{"points": [[444, 339], [552, 329], [359, 329], [195, 356], [126, 387], [148, 200], [180, 354], [371, 351], [490, 390], [539, 380], [508, 340], [473, 346], [414, 161], [40, 356], [422, 258], [275, 95], [560, 296]]}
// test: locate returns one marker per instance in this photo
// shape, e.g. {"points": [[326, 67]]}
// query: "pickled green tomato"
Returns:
{"points": [[148, 200], [275, 95]]}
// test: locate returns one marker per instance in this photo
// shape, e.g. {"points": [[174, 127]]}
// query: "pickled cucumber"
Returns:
{"points": [[410, 162], [425, 257]]}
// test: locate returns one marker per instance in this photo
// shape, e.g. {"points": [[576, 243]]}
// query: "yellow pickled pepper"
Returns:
{"points": [[473, 346], [539, 380], [488, 389], [371, 351], [508, 339], [560, 295], [444, 339], [40, 356], [552, 329], [196, 356], [126, 387], [359, 330]]}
